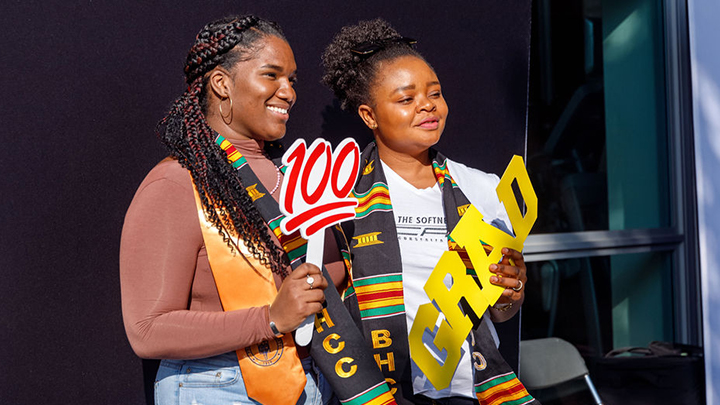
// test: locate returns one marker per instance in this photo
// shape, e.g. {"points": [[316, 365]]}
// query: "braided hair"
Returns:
{"points": [[189, 138], [349, 75]]}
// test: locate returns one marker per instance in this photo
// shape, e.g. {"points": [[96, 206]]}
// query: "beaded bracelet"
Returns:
{"points": [[503, 307]]}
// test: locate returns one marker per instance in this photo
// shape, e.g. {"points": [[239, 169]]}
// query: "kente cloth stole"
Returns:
{"points": [[375, 298], [337, 345]]}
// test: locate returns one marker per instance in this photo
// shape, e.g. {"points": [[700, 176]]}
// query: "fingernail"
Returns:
{"points": [[493, 279], [493, 266], [504, 251]]}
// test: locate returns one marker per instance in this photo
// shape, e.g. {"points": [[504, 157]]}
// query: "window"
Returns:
{"points": [[610, 260]]}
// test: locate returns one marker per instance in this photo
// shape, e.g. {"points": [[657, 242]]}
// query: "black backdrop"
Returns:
{"points": [[81, 87]]}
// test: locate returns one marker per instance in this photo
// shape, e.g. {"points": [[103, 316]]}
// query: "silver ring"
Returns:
{"points": [[310, 281], [519, 287]]}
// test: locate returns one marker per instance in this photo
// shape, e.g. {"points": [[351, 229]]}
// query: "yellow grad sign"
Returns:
{"points": [[468, 234]]}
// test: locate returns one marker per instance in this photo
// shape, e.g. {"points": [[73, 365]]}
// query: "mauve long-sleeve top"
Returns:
{"points": [[170, 304]]}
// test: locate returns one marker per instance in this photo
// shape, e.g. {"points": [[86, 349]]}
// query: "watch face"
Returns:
{"points": [[275, 329]]}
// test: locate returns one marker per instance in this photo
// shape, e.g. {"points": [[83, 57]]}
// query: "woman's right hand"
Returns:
{"points": [[295, 300]]}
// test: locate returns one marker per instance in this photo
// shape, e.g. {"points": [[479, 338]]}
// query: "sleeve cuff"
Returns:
{"points": [[269, 334]]}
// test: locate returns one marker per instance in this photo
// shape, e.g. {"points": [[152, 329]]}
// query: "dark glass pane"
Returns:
{"points": [[597, 142], [600, 303]]}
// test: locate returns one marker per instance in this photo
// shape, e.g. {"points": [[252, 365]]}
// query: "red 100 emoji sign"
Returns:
{"points": [[317, 184]]}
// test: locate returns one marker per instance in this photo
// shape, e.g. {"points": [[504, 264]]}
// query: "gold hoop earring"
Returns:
{"points": [[222, 115]]}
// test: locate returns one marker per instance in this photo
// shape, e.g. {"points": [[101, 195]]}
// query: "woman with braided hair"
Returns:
{"points": [[410, 198], [207, 286]]}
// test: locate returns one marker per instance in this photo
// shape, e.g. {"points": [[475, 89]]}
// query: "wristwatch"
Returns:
{"points": [[275, 330]]}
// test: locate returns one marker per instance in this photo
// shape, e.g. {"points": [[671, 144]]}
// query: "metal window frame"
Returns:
{"points": [[686, 277], [599, 243]]}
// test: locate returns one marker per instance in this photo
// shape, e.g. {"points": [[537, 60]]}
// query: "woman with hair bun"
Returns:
{"points": [[410, 197], [207, 286]]}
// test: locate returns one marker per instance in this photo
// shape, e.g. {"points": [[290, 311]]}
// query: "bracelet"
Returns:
{"points": [[503, 307], [275, 330]]}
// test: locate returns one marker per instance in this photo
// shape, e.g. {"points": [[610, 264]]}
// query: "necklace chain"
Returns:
{"points": [[277, 182]]}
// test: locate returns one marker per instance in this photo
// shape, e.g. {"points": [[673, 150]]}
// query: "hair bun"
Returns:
{"points": [[348, 74]]}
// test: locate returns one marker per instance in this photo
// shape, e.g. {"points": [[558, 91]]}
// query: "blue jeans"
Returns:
{"points": [[218, 381]]}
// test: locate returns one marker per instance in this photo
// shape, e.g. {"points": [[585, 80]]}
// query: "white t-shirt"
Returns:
{"points": [[422, 228]]}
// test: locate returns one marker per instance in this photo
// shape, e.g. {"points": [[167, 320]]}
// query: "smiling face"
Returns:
{"points": [[261, 90], [409, 112]]}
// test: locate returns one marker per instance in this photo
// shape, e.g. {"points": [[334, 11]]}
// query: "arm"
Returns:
{"points": [[159, 250], [479, 187]]}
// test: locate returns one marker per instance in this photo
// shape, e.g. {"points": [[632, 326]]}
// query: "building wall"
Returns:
{"points": [[83, 84], [705, 60]]}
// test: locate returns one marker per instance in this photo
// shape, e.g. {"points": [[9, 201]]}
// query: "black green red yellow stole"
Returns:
{"points": [[375, 298], [337, 345]]}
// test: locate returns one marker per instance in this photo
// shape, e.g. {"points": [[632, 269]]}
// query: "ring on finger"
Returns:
{"points": [[310, 280], [519, 286]]}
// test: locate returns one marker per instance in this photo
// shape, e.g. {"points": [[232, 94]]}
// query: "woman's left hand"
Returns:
{"points": [[510, 273]]}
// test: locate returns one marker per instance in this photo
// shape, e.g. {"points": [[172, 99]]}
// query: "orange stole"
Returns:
{"points": [[271, 370]]}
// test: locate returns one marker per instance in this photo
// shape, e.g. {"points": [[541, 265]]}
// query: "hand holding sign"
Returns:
{"points": [[314, 196], [470, 233]]}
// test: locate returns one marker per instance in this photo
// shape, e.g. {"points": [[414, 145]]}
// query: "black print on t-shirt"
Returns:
{"points": [[424, 229]]}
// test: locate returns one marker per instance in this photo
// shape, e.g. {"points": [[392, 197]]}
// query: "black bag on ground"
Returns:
{"points": [[662, 373]]}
